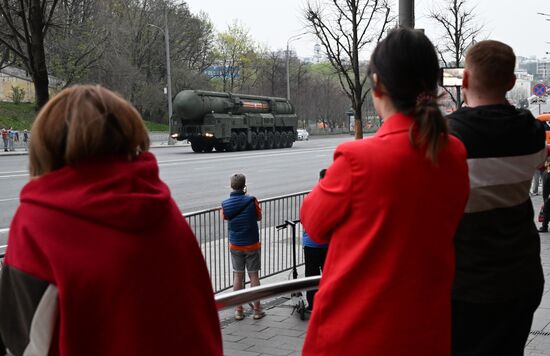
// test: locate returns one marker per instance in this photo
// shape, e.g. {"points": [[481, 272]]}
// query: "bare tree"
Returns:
{"points": [[346, 29], [23, 29], [460, 30], [78, 39]]}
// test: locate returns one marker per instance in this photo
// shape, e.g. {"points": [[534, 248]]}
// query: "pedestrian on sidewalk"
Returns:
{"points": [[537, 179], [100, 259], [243, 213], [386, 283], [545, 194], [11, 139], [26, 139], [5, 139], [315, 255], [499, 278]]}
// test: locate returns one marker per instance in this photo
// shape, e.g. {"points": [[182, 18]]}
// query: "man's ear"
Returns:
{"points": [[466, 79], [511, 83]]}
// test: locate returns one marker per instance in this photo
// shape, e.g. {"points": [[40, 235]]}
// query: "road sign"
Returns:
{"points": [[539, 89]]}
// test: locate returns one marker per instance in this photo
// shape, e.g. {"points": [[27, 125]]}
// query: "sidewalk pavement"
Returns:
{"points": [[538, 343], [21, 151], [280, 333]]}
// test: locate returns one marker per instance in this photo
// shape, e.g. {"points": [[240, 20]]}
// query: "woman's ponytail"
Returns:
{"points": [[430, 129]]}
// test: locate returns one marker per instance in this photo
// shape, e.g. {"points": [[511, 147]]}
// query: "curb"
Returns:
{"points": [[25, 153]]}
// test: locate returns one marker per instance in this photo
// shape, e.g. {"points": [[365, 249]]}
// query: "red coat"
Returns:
{"points": [[124, 270], [390, 216]]}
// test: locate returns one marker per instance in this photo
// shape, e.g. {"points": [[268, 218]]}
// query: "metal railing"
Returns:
{"points": [[244, 296], [211, 231]]}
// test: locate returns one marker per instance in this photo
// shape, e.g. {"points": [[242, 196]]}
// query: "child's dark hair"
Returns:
{"points": [[406, 63]]}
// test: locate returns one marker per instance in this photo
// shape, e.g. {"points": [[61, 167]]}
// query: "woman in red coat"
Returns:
{"points": [[100, 260], [389, 206]]}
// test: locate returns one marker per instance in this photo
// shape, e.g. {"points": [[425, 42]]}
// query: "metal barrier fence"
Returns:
{"points": [[211, 231], [243, 296]]}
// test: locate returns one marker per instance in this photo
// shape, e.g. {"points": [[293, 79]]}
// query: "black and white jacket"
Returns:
{"points": [[497, 243]]}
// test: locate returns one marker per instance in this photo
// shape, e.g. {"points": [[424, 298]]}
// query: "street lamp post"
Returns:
{"points": [[290, 39], [166, 34], [406, 13]]}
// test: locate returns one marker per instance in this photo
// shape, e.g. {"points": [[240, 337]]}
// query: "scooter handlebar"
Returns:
{"points": [[287, 222]]}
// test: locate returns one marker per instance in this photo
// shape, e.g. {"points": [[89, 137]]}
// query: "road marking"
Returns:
{"points": [[11, 172], [8, 199], [14, 176], [234, 157], [3, 230]]}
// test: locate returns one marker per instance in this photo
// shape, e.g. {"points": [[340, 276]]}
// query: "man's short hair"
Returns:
{"points": [[238, 181], [492, 65]]}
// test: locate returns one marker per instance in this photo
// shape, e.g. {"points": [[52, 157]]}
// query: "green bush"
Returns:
{"points": [[17, 94]]}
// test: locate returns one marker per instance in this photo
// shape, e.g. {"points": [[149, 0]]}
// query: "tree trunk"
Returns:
{"points": [[37, 55], [357, 111]]}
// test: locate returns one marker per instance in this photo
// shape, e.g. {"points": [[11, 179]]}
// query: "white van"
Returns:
{"points": [[533, 99]]}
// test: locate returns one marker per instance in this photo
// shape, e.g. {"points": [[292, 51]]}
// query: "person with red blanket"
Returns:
{"points": [[389, 206], [100, 260]]}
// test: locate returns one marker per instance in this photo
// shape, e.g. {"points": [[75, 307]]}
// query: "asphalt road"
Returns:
{"points": [[201, 181]]}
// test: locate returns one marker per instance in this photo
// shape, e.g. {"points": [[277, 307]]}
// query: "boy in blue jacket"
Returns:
{"points": [[243, 213]]}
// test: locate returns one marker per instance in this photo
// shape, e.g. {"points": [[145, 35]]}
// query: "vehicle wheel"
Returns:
{"points": [[269, 140], [277, 140], [261, 141], [196, 146], [284, 140], [233, 143], [290, 139], [208, 146], [242, 141], [253, 141], [219, 146]]}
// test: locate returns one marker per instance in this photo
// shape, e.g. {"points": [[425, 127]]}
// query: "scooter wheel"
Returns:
{"points": [[302, 310]]}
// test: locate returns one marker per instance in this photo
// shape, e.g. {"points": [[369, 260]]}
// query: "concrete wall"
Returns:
{"points": [[7, 82]]}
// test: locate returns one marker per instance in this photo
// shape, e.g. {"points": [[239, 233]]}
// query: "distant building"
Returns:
{"points": [[543, 69], [522, 88], [12, 77], [528, 65]]}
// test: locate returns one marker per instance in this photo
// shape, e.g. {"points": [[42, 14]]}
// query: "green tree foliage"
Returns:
{"points": [[234, 56], [78, 40], [120, 44]]}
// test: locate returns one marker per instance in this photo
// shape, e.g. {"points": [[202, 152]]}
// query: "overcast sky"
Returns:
{"points": [[272, 22]]}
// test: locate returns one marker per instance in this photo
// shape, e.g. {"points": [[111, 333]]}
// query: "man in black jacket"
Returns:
{"points": [[545, 194], [499, 279]]}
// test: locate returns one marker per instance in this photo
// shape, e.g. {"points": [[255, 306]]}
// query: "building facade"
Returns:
{"points": [[12, 78]]}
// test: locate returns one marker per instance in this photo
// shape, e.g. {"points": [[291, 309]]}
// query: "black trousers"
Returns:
{"points": [[315, 260], [546, 211], [493, 329]]}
